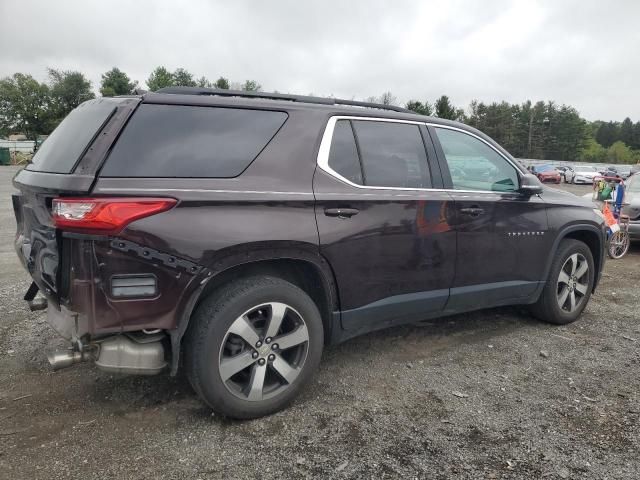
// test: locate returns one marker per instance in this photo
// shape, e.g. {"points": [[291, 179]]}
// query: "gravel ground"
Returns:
{"points": [[492, 394]]}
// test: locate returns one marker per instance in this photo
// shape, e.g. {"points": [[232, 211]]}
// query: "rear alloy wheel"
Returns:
{"points": [[252, 346], [264, 351], [568, 288]]}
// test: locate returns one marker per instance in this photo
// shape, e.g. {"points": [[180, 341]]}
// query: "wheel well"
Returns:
{"points": [[301, 273], [592, 240]]}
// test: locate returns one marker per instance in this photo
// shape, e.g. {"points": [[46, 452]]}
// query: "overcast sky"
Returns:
{"points": [[579, 52]]}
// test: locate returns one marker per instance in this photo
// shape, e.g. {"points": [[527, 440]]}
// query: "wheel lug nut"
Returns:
{"points": [[272, 357], [267, 340], [258, 344], [261, 362], [274, 346], [254, 354]]}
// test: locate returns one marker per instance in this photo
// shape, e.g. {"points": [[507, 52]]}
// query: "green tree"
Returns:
{"points": [[68, 90], [444, 108], [636, 136], [593, 151], [203, 82], [25, 106], [607, 134], [420, 108], [251, 86], [160, 78], [619, 153], [626, 131], [183, 78], [116, 82], [222, 83]]}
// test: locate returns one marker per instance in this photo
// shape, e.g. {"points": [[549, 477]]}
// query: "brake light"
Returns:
{"points": [[106, 216]]}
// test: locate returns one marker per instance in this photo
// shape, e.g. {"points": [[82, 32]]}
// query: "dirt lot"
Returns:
{"points": [[493, 394]]}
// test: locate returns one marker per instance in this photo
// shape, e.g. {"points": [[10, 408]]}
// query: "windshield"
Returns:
{"points": [[544, 168], [585, 168], [633, 185]]}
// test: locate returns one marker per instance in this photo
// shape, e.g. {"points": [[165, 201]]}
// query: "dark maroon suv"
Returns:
{"points": [[237, 234]]}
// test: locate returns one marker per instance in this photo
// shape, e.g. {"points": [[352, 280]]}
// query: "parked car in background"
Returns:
{"points": [[624, 171], [581, 174], [632, 197], [546, 173], [561, 170], [237, 234]]}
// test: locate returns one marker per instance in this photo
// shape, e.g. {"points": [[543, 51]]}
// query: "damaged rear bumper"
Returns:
{"points": [[133, 353]]}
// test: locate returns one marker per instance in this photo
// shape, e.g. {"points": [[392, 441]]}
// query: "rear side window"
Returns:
{"points": [[63, 148], [343, 156], [393, 154], [187, 141]]}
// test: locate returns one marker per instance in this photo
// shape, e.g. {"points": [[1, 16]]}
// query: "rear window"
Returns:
{"points": [[187, 141], [393, 154], [64, 147]]}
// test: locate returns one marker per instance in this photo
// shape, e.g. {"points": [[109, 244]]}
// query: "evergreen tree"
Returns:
{"points": [[116, 82]]}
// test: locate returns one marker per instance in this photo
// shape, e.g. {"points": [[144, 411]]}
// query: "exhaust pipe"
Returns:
{"points": [[123, 354], [60, 359]]}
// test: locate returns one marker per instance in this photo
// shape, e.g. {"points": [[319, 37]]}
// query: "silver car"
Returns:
{"points": [[632, 197], [581, 174]]}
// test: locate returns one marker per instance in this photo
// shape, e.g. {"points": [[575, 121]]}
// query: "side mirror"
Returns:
{"points": [[530, 185]]}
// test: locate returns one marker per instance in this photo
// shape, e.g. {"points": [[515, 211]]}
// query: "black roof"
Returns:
{"points": [[285, 102], [278, 96]]}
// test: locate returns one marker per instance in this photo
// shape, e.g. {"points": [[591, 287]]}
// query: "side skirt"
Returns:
{"points": [[415, 307]]}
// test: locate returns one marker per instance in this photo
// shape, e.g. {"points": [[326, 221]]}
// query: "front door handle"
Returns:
{"points": [[472, 211], [341, 212]]}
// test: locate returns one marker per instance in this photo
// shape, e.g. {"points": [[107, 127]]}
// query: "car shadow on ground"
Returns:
{"points": [[431, 338]]}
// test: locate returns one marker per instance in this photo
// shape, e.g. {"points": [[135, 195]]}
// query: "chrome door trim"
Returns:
{"points": [[327, 136]]}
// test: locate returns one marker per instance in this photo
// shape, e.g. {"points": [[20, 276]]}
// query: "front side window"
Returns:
{"points": [[474, 165], [393, 154]]}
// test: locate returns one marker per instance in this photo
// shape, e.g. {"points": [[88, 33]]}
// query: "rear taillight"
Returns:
{"points": [[106, 216]]}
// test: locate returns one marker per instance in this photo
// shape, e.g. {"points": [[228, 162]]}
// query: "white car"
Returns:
{"points": [[581, 174]]}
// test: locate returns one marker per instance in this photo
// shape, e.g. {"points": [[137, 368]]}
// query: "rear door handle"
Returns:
{"points": [[472, 211], [341, 212]]}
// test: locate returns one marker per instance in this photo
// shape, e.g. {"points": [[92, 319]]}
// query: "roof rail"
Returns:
{"points": [[277, 96]]}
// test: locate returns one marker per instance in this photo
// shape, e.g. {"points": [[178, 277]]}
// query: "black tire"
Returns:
{"points": [[547, 308], [203, 347]]}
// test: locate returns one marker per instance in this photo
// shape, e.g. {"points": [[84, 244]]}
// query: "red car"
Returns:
{"points": [[546, 173]]}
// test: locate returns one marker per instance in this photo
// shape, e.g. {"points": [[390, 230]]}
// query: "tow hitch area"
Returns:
{"points": [[34, 303]]}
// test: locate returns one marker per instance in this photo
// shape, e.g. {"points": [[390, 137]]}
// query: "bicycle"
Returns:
{"points": [[610, 192]]}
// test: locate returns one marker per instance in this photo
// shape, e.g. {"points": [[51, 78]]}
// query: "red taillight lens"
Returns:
{"points": [[106, 216]]}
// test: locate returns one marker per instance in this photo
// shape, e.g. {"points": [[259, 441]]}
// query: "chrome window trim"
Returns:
{"points": [[327, 136]]}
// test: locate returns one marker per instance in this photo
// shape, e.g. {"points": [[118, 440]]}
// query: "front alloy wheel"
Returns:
{"points": [[573, 283], [569, 284]]}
